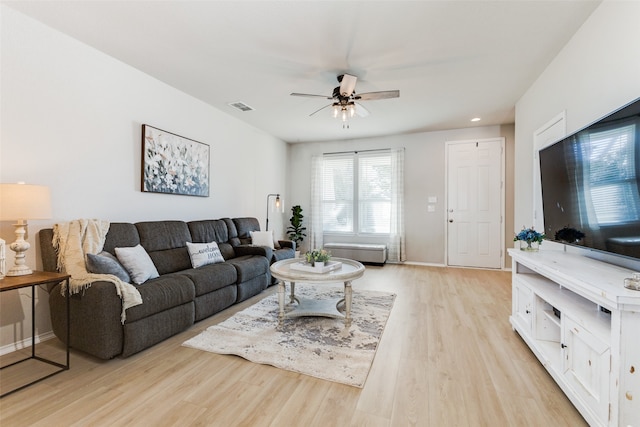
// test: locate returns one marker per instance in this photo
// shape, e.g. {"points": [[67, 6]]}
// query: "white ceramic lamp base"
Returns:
{"points": [[20, 247]]}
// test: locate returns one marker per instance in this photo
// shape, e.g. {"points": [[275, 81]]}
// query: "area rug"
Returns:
{"points": [[316, 346]]}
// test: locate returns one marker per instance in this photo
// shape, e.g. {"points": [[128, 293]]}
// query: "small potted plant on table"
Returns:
{"points": [[530, 239], [318, 257]]}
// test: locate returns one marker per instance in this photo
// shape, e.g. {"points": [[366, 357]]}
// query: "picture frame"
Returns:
{"points": [[173, 164]]}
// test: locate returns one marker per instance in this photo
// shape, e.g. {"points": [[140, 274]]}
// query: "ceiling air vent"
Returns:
{"points": [[241, 106]]}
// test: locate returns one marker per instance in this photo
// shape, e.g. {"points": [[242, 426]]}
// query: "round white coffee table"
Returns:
{"points": [[348, 271]]}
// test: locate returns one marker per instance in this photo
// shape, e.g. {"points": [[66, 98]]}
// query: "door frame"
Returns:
{"points": [[552, 131], [502, 195]]}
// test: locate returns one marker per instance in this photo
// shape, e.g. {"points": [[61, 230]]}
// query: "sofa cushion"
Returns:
{"points": [[212, 230], [244, 227], [204, 253], [171, 260], [137, 263], [120, 235], [262, 238], [211, 277], [227, 251], [162, 293], [105, 263], [233, 232], [250, 266], [165, 241], [162, 235]]}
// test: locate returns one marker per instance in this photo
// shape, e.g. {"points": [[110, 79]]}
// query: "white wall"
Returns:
{"points": [[424, 177], [71, 119], [597, 72]]}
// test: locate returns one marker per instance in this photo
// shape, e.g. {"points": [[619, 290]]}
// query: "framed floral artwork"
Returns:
{"points": [[174, 164]]}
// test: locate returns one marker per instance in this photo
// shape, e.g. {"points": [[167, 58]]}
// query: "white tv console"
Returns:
{"points": [[584, 326]]}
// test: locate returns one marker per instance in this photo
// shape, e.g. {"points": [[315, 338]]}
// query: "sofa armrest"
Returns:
{"points": [[265, 251], [287, 244], [95, 319]]}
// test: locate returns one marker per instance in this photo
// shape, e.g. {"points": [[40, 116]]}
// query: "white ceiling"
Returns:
{"points": [[451, 60]]}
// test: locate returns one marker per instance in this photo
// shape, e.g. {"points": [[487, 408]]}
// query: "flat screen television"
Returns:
{"points": [[591, 185]]}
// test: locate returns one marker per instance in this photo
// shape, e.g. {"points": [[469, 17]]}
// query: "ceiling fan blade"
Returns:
{"points": [[308, 95], [317, 111], [347, 84], [360, 110], [372, 96]]}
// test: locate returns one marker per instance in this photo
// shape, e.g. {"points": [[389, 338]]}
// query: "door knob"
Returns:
{"points": [[450, 220]]}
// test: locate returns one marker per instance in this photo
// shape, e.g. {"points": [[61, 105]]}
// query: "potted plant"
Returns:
{"points": [[531, 237], [296, 230], [318, 257]]}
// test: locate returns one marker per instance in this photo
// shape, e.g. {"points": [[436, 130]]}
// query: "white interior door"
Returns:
{"points": [[475, 203]]}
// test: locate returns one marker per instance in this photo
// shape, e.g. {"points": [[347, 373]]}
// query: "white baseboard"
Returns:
{"points": [[424, 264], [428, 264], [25, 343]]}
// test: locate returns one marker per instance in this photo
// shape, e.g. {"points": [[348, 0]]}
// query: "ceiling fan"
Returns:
{"points": [[344, 99]]}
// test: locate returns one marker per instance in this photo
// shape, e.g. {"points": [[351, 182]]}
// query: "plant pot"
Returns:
{"points": [[529, 246]]}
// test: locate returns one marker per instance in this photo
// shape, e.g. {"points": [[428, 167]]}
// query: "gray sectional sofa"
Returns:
{"points": [[180, 296]]}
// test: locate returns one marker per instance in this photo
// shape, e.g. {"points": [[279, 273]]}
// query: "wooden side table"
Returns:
{"points": [[33, 280]]}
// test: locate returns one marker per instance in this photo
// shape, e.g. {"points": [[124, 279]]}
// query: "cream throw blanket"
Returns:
{"points": [[73, 240]]}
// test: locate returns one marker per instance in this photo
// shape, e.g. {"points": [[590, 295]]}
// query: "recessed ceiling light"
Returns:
{"points": [[476, 119]]}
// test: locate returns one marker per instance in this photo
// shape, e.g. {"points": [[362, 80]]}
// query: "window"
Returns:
{"points": [[356, 193]]}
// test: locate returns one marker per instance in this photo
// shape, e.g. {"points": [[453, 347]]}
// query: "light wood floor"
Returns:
{"points": [[448, 357]]}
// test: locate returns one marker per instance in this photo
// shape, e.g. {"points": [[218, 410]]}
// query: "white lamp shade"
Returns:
{"points": [[24, 201]]}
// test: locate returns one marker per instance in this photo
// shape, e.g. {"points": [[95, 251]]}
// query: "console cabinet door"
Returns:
{"points": [[523, 305], [587, 364]]}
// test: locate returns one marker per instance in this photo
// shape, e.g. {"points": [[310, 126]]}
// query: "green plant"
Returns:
{"points": [[317, 255], [296, 230]]}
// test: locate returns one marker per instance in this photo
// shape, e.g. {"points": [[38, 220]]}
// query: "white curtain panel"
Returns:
{"points": [[315, 223], [396, 251]]}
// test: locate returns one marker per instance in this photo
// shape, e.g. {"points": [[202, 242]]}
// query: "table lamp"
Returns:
{"points": [[22, 202]]}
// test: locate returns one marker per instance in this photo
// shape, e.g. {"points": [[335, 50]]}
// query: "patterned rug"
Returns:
{"points": [[316, 346]]}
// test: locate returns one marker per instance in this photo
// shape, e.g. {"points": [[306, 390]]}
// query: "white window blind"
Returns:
{"points": [[374, 195], [337, 194], [357, 193]]}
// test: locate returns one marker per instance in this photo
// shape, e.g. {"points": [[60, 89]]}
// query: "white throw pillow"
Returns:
{"points": [[204, 253], [262, 238], [138, 263]]}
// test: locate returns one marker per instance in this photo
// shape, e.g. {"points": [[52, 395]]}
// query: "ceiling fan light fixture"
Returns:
{"points": [[344, 97]]}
